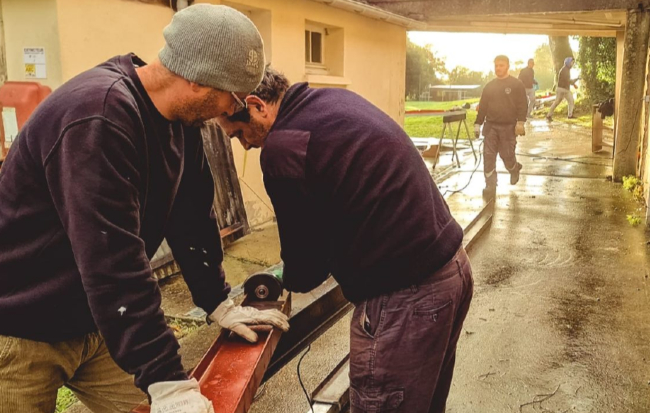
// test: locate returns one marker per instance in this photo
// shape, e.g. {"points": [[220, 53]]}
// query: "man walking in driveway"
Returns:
{"points": [[354, 199], [527, 77], [502, 107], [564, 83]]}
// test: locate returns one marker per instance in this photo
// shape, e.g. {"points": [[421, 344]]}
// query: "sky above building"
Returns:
{"points": [[476, 51]]}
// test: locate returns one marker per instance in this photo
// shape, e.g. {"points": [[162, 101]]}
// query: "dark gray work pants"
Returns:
{"points": [[403, 344], [499, 139]]}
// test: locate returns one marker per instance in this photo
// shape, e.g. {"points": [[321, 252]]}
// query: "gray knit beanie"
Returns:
{"points": [[214, 46]]}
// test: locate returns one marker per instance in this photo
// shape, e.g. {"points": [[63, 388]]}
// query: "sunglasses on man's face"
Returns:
{"points": [[241, 104]]}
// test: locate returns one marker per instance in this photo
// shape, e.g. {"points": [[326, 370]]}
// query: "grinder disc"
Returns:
{"points": [[263, 286]]}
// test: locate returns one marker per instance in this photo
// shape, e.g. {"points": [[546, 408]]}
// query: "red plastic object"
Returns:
{"points": [[18, 100], [232, 369]]}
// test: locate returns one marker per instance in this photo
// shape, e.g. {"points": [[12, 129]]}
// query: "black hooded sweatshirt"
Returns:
{"points": [[95, 180], [352, 197]]}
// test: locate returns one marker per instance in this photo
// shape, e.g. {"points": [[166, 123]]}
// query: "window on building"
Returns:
{"points": [[323, 49], [313, 47]]}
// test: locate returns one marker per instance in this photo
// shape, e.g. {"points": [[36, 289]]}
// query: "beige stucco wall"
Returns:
{"points": [[32, 23], [374, 66], [90, 31]]}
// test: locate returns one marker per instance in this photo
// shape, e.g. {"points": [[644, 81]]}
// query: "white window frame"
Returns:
{"points": [[311, 67]]}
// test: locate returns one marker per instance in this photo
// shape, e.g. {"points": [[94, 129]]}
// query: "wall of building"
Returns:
{"points": [[369, 57], [92, 31], [374, 60], [32, 23]]}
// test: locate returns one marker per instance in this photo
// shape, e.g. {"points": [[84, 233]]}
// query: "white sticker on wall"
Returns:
{"points": [[10, 124], [34, 59]]}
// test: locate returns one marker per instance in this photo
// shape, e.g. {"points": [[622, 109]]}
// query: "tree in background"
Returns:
{"points": [[560, 50], [461, 75], [597, 61], [423, 68], [544, 68]]}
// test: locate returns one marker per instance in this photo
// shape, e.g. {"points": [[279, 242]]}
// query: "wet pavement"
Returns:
{"points": [[561, 301], [559, 321]]}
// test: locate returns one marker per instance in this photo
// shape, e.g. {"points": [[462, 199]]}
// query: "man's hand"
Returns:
{"points": [[183, 396], [235, 318], [519, 129], [477, 130]]}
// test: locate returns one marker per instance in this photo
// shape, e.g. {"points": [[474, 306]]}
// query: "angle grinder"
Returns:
{"points": [[264, 286]]}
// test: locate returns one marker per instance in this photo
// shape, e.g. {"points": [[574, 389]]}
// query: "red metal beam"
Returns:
{"points": [[232, 369]]}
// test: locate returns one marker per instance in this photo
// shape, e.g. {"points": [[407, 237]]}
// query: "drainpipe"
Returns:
{"points": [[181, 4], [375, 13], [3, 57]]}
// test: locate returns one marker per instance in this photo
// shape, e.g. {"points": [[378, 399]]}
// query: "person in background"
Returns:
{"points": [[503, 107], [527, 77], [564, 83]]}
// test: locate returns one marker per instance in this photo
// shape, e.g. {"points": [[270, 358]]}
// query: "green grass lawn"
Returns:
{"points": [[581, 112], [431, 126], [65, 399]]}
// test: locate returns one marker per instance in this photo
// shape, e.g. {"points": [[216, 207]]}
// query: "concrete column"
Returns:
{"points": [[620, 48], [630, 102], [3, 52]]}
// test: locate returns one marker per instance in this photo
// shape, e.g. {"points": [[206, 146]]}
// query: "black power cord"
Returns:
{"points": [[304, 390], [478, 163]]}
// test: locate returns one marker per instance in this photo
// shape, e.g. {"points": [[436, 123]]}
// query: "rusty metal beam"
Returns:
{"points": [[232, 369]]}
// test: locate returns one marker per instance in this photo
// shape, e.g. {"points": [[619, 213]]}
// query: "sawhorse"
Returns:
{"points": [[447, 121]]}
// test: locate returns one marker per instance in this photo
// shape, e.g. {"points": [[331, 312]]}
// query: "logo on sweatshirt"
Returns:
{"points": [[508, 90]]}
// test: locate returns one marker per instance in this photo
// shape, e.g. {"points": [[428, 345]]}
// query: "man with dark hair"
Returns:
{"points": [[106, 167], [502, 107], [527, 77], [354, 199], [564, 83]]}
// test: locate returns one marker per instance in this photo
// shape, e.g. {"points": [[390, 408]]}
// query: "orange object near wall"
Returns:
{"points": [[17, 101]]}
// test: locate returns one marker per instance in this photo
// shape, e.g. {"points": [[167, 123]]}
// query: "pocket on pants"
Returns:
{"points": [[6, 345], [375, 401]]}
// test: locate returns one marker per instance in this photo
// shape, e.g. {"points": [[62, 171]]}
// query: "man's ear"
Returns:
{"points": [[195, 87], [255, 103]]}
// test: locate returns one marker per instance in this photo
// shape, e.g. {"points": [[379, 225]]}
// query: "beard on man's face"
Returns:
{"points": [[257, 134], [196, 113]]}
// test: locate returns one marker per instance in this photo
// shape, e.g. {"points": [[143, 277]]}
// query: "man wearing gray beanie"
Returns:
{"points": [[107, 166]]}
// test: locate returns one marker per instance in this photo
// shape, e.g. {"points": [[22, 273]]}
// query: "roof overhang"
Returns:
{"points": [[599, 24]]}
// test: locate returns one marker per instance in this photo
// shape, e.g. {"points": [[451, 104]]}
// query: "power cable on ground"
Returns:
{"points": [[478, 163], [304, 390]]}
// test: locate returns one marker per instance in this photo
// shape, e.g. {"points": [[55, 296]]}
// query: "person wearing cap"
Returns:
{"points": [[354, 199], [106, 167], [564, 83], [503, 108]]}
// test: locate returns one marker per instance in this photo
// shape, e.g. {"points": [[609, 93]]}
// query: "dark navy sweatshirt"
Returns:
{"points": [[352, 197], [95, 181]]}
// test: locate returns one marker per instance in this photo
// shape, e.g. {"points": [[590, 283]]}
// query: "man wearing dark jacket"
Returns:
{"points": [[106, 167], [527, 77], [502, 107], [564, 83], [354, 199]]}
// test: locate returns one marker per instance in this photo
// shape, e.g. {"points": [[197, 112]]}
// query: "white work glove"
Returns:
{"points": [[235, 318], [519, 129], [477, 130], [182, 396]]}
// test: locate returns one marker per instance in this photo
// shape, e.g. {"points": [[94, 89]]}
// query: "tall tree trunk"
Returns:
{"points": [[560, 49]]}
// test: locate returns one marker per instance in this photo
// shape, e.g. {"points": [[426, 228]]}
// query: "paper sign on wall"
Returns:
{"points": [[34, 59], [10, 124]]}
